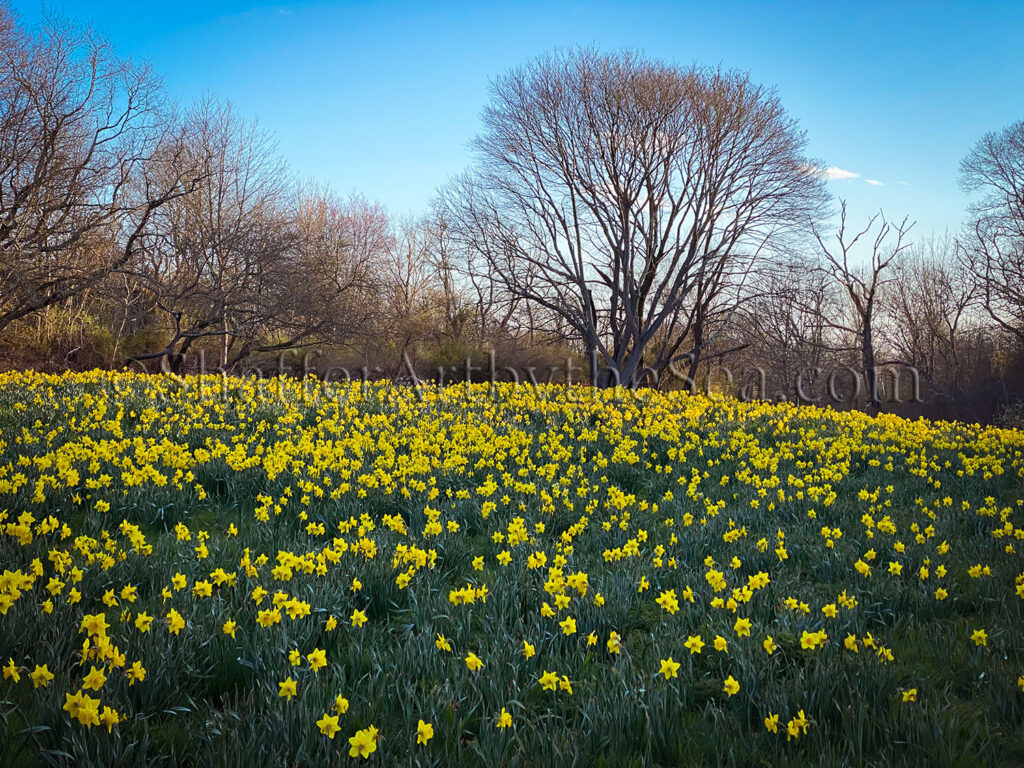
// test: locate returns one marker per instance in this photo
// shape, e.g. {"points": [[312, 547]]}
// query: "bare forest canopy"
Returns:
{"points": [[624, 221]]}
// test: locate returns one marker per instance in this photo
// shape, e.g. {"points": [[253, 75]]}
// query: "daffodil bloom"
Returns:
{"points": [[424, 732], [202, 589], [363, 743], [668, 601], [669, 668], [94, 624], [910, 695], [317, 659], [769, 645], [109, 718], [136, 673], [528, 649], [694, 644], [328, 725], [72, 701], [175, 622], [742, 627], [269, 617], [229, 627], [473, 662], [796, 725], [94, 680], [549, 681], [287, 688], [504, 719], [41, 676], [358, 619], [11, 671], [812, 640], [614, 642], [340, 704], [771, 722], [296, 609], [731, 686], [83, 708], [721, 644], [980, 637]]}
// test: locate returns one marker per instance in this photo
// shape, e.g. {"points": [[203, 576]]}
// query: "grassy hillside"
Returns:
{"points": [[644, 579]]}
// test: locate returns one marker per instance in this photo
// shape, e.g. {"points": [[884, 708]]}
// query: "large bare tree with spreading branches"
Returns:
{"points": [[86, 141], [623, 197], [992, 246]]}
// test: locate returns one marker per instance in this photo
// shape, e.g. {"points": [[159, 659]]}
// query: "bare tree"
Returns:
{"points": [[475, 303], [622, 195], [862, 285], [411, 298], [86, 143], [320, 289], [992, 246], [932, 316], [215, 258], [784, 325]]}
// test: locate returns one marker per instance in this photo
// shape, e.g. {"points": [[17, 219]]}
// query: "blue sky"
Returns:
{"points": [[383, 98]]}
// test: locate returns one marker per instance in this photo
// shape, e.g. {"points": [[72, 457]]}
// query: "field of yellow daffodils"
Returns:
{"points": [[209, 571]]}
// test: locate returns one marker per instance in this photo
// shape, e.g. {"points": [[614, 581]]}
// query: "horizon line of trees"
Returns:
{"points": [[660, 224]]}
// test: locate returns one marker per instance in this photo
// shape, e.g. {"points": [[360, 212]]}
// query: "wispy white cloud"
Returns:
{"points": [[838, 174], [834, 173], [874, 182]]}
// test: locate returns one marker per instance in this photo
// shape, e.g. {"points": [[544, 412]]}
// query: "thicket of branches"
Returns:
{"points": [[656, 225]]}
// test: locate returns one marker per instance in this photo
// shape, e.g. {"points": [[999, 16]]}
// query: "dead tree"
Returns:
{"points": [[862, 285]]}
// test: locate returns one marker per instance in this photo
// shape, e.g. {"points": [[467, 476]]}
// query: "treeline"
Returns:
{"points": [[649, 224]]}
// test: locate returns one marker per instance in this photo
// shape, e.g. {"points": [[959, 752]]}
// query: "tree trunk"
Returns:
{"points": [[870, 372]]}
